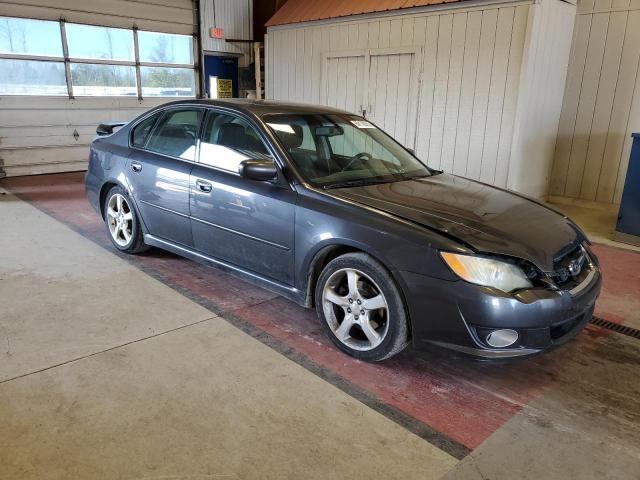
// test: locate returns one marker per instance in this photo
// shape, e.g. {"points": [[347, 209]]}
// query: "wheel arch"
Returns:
{"points": [[324, 254], [108, 185]]}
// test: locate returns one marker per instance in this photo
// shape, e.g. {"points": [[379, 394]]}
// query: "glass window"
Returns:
{"points": [[141, 131], [228, 140], [167, 82], [165, 48], [30, 37], [97, 79], [32, 77], [176, 134], [89, 41], [343, 149]]}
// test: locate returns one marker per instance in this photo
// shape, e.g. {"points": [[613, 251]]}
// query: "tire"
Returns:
{"points": [[382, 330], [122, 223]]}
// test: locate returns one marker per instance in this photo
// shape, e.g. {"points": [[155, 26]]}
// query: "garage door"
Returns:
{"points": [[381, 84], [66, 66]]}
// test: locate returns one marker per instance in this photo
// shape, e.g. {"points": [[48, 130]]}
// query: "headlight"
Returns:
{"points": [[488, 272]]}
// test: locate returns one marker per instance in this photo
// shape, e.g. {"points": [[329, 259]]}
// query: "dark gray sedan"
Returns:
{"points": [[324, 208]]}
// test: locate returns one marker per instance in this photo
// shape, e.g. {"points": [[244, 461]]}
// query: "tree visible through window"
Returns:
{"points": [[102, 60]]}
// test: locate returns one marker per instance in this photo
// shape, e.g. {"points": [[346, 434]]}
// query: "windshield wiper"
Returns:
{"points": [[358, 183]]}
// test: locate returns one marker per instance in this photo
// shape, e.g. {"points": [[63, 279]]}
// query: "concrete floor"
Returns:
{"points": [[154, 367], [597, 219]]}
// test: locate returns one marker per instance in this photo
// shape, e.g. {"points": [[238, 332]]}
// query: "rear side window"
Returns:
{"points": [[176, 133], [141, 131], [228, 140]]}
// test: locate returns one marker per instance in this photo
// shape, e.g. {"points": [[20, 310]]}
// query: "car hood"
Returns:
{"points": [[486, 218]]}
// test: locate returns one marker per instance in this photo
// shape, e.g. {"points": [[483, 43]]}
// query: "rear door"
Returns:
{"points": [[244, 222], [160, 166]]}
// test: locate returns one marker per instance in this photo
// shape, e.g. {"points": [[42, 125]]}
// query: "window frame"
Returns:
{"points": [[68, 60], [257, 129], [282, 165], [163, 112]]}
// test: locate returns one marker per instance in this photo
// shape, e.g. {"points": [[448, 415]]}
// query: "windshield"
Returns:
{"points": [[340, 150]]}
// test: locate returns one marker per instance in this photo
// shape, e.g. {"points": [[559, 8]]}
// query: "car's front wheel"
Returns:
{"points": [[361, 308], [122, 222]]}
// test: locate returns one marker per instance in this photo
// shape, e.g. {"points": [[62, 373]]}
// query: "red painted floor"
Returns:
{"points": [[464, 400]]}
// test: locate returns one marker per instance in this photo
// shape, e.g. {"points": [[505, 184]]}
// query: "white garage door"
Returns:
{"points": [[60, 78]]}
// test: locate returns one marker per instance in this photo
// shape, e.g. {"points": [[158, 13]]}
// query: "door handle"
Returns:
{"points": [[136, 167], [204, 186]]}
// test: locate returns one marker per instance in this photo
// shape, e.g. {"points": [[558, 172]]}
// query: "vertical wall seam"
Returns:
{"points": [[464, 51], [486, 113], [613, 103], [604, 52], [575, 118], [504, 89], [475, 89]]}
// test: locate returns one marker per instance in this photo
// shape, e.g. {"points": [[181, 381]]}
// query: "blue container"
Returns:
{"points": [[628, 227]]}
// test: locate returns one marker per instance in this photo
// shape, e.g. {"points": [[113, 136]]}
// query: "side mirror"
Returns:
{"points": [[259, 170], [411, 151]]}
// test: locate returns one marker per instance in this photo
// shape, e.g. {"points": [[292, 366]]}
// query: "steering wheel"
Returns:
{"points": [[356, 157]]}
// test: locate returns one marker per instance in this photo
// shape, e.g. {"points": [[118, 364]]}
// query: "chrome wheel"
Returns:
{"points": [[355, 309], [120, 219]]}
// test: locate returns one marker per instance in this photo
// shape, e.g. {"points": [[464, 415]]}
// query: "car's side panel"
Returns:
{"points": [[107, 165], [160, 186], [244, 222]]}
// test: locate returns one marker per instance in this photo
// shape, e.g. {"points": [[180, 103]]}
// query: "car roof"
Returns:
{"points": [[261, 107]]}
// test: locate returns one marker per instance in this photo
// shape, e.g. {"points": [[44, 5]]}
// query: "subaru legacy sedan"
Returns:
{"points": [[324, 208]]}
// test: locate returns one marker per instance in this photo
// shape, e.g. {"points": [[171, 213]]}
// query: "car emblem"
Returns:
{"points": [[576, 265]]}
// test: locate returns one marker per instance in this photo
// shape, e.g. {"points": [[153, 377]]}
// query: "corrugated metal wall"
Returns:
{"points": [[36, 133], [235, 18], [601, 102], [469, 99]]}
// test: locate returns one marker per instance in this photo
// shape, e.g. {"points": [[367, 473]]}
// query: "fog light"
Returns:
{"points": [[502, 338]]}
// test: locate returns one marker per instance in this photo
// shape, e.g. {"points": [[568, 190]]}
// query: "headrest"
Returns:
{"points": [[232, 135], [291, 140]]}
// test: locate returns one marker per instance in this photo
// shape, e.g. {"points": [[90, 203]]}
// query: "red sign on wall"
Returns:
{"points": [[216, 32]]}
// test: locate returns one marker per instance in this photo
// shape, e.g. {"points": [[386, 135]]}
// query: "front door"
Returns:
{"points": [[247, 223], [160, 166]]}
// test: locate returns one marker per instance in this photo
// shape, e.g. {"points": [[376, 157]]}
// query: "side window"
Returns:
{"points": [[228, 140], [176, 134], [141, 131]]}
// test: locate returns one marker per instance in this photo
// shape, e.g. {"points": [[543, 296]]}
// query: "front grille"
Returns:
{"points": [[570, 267]]}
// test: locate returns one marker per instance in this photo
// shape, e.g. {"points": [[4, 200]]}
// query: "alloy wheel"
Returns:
{"points": [[120, 219], [355, 309]]}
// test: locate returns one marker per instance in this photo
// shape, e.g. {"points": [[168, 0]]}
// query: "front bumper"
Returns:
{"points": [[459, 315]]}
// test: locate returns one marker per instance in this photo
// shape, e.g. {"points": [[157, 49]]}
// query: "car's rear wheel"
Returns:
{"points": [[122, 222], [361, 308]]}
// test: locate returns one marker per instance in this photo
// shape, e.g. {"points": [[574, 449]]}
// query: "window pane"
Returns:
{"points": [[31, 77], [90, 79], [176, 134], [165, 48], [33, 37], [88, 41], [343, 148], [228, 140], [142, 130], [167, 82]]}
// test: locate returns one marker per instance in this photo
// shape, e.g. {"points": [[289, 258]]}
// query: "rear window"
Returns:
{"points": [[141, 131], [176, 133]]}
